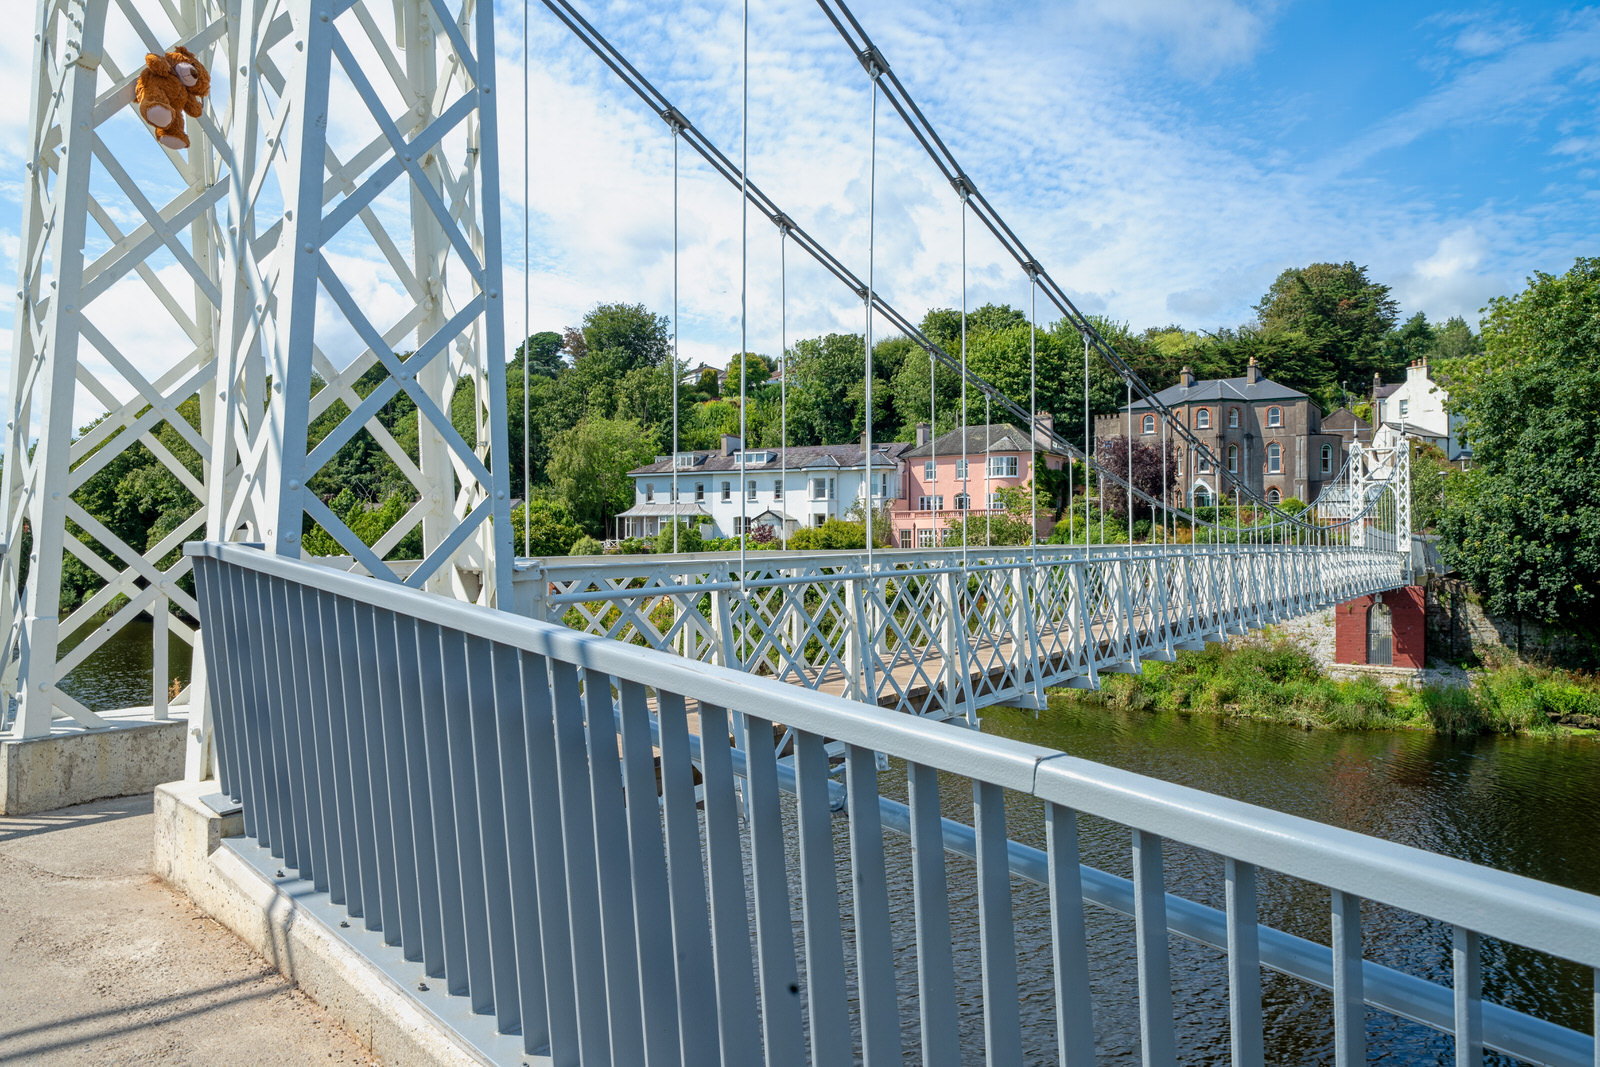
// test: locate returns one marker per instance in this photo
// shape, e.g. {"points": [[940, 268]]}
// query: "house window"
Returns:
{"points": [[905, 538], [1149, 424], [1274, 416], [925, 537], [930, 471], [1274, 458], [1202, 496], [1405, 408], [1202, 419], [1274, 497], [1327, 459], [1233, 458], [1233, 418], [1202, 461], [750, 490], [727, 492], [963, 502], [740, 525], [699, 491], [996, 502], [672, 494], [819, 489], [930, 503], [961, 469], [649, 492], [1002, 466], [777, 488], [684, 459]]}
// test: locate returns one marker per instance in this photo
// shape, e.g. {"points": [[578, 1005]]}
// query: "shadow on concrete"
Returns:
{"points": [[53, 1036], [17, 827]]}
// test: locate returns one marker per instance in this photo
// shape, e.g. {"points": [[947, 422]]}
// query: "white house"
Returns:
{"points": [[785, 489], [1416, 408]]}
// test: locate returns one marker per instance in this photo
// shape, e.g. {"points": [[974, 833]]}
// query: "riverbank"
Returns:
{"points": [[1275, 679]]}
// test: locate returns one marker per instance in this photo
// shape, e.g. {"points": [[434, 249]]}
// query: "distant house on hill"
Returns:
{"points": [[1257, 432], [1416, 408]]}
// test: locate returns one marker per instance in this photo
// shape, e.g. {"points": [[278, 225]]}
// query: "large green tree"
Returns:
{"points": [[589, 467], [1325, 327], [1523, 526]]}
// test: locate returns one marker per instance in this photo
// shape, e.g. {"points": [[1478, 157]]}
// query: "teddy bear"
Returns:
{"points": [[169, 87]]}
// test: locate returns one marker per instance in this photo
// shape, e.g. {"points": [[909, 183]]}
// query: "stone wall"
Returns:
{"points": [[1460, 630]]}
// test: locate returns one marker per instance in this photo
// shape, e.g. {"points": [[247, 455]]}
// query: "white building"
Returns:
{"points": [[1416, 408], [784, 489]]}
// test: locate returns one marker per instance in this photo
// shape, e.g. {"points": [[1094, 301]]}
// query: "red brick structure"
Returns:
{"points": [[1383, 630]]}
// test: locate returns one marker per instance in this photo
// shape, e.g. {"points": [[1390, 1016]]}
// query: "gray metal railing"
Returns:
{"points": [[946, 632], [514, 805]]}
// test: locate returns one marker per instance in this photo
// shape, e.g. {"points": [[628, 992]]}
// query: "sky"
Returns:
{"points": [[1164, 161]]}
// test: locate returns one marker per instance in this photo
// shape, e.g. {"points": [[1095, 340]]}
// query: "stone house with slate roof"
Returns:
{"points": [[720, 490], [1258, 432]]}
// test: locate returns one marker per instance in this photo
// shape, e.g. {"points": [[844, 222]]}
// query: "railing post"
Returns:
{"points": [[723, 653], [953, 638]]}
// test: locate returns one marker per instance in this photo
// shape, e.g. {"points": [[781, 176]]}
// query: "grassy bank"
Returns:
{"points": [[1275, 679]]}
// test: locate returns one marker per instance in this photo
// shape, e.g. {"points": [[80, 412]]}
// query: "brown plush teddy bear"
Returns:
{"points": [[168, 87]]}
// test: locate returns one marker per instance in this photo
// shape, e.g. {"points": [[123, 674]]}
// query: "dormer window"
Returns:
{"points": [[1274, 416], [685, 459]]}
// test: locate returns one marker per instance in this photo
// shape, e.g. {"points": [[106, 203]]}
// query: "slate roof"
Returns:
{"points": [[997, 437], [1381, 391], [1221, 389], [1344, 419], [800, 457]]}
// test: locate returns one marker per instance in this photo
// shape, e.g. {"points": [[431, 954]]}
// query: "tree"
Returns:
{"points": [[589, 467], [626, 336], [543, 351], [1111, 453], [1007, 526], [544, 526], [1523, 526], [755, 370], [1327, 324]]}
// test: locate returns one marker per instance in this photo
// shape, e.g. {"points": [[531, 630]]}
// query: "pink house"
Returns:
{"points": [[933, 496]]}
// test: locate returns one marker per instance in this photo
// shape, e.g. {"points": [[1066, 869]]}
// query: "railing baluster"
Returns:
{"points": [[819, 885], [236, 747], [322, 724], [547, 822], [416, 820], [657, 975], [613, 869], [686, 877], [1155, 969], [1002, 1023], [303, 711], [407, 930], [1468, 972], [936, 993], [880, 1014], [459, 668], [291, 755], [779, 979], [358, 829], [485, 684], [582, 888], [1074, 1009], [255, 713], [361, 644], [1244, 966], [270, 717], [436, 712], [1349, 1008], [730, 932]]}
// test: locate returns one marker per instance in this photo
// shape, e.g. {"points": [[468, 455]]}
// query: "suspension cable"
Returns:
{"points": [[744, 285], [783, 382], [964, 469], [527, 300], [676, 371], [1033, 419], [872, 215]]}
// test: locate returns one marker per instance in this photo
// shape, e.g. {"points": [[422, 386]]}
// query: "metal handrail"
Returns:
{"points": [[1477, 901]]}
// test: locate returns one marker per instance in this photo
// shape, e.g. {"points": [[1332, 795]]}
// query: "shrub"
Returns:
{"points": [[689, 539], [586, 546], [632, 546]]}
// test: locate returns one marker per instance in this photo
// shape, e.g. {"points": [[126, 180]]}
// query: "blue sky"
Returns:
{"points": [[1164, 160]]}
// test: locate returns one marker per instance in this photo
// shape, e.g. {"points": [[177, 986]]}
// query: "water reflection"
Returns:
{"points": [[117, 674]]}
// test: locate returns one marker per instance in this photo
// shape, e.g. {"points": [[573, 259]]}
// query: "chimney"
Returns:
{"points": [[1252, 373], [924, 434], [1045, 425], [1186, 377], [730, 444]]}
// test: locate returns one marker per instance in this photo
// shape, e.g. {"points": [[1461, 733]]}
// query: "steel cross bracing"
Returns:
{"points": [[104, 235], [334, 129]]}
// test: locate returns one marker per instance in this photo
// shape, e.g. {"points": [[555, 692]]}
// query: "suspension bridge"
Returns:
{"points": [[537, 783]]}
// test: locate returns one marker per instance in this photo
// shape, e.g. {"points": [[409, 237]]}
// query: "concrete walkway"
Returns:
{"points": [[101, 963]]}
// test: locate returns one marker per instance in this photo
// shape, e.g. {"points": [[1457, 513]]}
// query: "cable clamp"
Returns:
{"points": [[674, 118], [873, 60]]}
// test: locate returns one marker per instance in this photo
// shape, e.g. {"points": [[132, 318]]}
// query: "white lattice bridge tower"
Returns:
{"points": [[197, 298]]}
